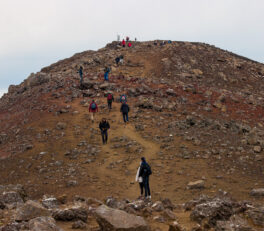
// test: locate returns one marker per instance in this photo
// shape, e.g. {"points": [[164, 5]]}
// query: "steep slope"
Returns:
{"points": [[196, 114]]}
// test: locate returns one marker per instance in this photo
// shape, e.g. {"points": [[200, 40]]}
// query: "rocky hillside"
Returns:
{"points": [[196, 115]]}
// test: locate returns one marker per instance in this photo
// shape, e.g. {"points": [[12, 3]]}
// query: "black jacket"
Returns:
{"points": [[104, 126], [124, 108], [143, 171]]}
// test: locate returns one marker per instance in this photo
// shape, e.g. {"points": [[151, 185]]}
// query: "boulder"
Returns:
{"points": [[158, 206], [118, 220], [236, 223], [175, 227], [258, 192], [213, 210], [61, 125], [257, 149], [199, 184], [43, 223], [50, 202], [70, 214], [30, 210], [257, 216], [87, 84]]}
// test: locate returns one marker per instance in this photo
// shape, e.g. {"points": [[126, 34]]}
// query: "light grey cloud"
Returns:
{"points": [[36, 33]]}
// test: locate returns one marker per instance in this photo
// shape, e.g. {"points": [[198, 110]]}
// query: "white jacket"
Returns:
{"points": [[138, 178]]}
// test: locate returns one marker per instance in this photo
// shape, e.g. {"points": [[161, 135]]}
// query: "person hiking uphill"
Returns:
{"points": [[93, 109], [80, 71], [125, 109], [104, 126], [106, 74], [145, 172], [110, 99], [139, 179], [123, 43]]}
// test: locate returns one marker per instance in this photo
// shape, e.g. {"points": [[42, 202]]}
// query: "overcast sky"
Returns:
{"points": [[37, 33]]}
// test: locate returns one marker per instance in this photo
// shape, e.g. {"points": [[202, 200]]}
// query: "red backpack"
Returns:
{"points": [[109, 97]]}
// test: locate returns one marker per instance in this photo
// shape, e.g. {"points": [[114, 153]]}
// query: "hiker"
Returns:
{"points": [[139, 179], [93, 109], [80, 71], [104, 126], [123, 43], [117, 60], [123, 98], [125, 109], [121, 59], [145, 172], [106, 74], [129, 44], [127, 38], [110, 99]]}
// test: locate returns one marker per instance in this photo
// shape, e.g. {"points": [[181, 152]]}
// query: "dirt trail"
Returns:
{"points": [[118, 129]]}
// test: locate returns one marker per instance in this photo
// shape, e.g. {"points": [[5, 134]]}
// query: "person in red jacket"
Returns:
{"points": [[129, 44], [93, 109], [123, 43]]}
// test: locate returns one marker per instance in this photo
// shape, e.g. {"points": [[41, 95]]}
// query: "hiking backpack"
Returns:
{"points": [[109, 97], [93, 106], [123, 98]]}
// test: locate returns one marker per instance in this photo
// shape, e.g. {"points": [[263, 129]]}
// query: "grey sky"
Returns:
{"points": [[36, 33]]}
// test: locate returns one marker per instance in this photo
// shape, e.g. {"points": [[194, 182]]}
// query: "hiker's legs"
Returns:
{"points": [[141, 185], [127, 117], [106, 136], [124, 117], [148, 187], [81, 79], [106, 76], [103, 138], [109, 105], [92, 118]]}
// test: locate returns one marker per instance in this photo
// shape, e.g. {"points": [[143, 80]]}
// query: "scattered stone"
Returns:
{"points": [[43, 223], [114, 220], [199, 184], [30, 210]]}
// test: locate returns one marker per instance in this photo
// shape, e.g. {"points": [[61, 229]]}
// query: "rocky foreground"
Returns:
{"points": [[18, 212]]}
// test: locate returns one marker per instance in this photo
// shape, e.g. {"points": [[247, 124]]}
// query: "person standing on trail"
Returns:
{"points": [[129, 44], [106, 74], [145, 172], [124, 109], [123, 43], [93, 109], [139, 179], [127, 38], [80, 71], [110, 99], [104, 126], [117, 60]]}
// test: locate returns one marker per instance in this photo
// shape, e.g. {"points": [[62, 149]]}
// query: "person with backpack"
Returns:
{"points": [[93, 109], [125, 109], [123, 43], [139, 179], [104, 126], [80, 71], [123, 98], [110, 99], [145, 172], [106, 74]]}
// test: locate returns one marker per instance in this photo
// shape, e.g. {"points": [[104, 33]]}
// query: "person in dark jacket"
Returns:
{"points": [[80, 71], [104, 126], [145, 172], [125, 109]]}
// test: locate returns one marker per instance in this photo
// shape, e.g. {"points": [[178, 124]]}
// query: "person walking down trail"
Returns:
{"points": [[145, 172], [110, 99], [123, 43], [123, 98], [80, 71], [104, 126], [139, 179], [93, 109], [106, 74], [125, 109]]}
